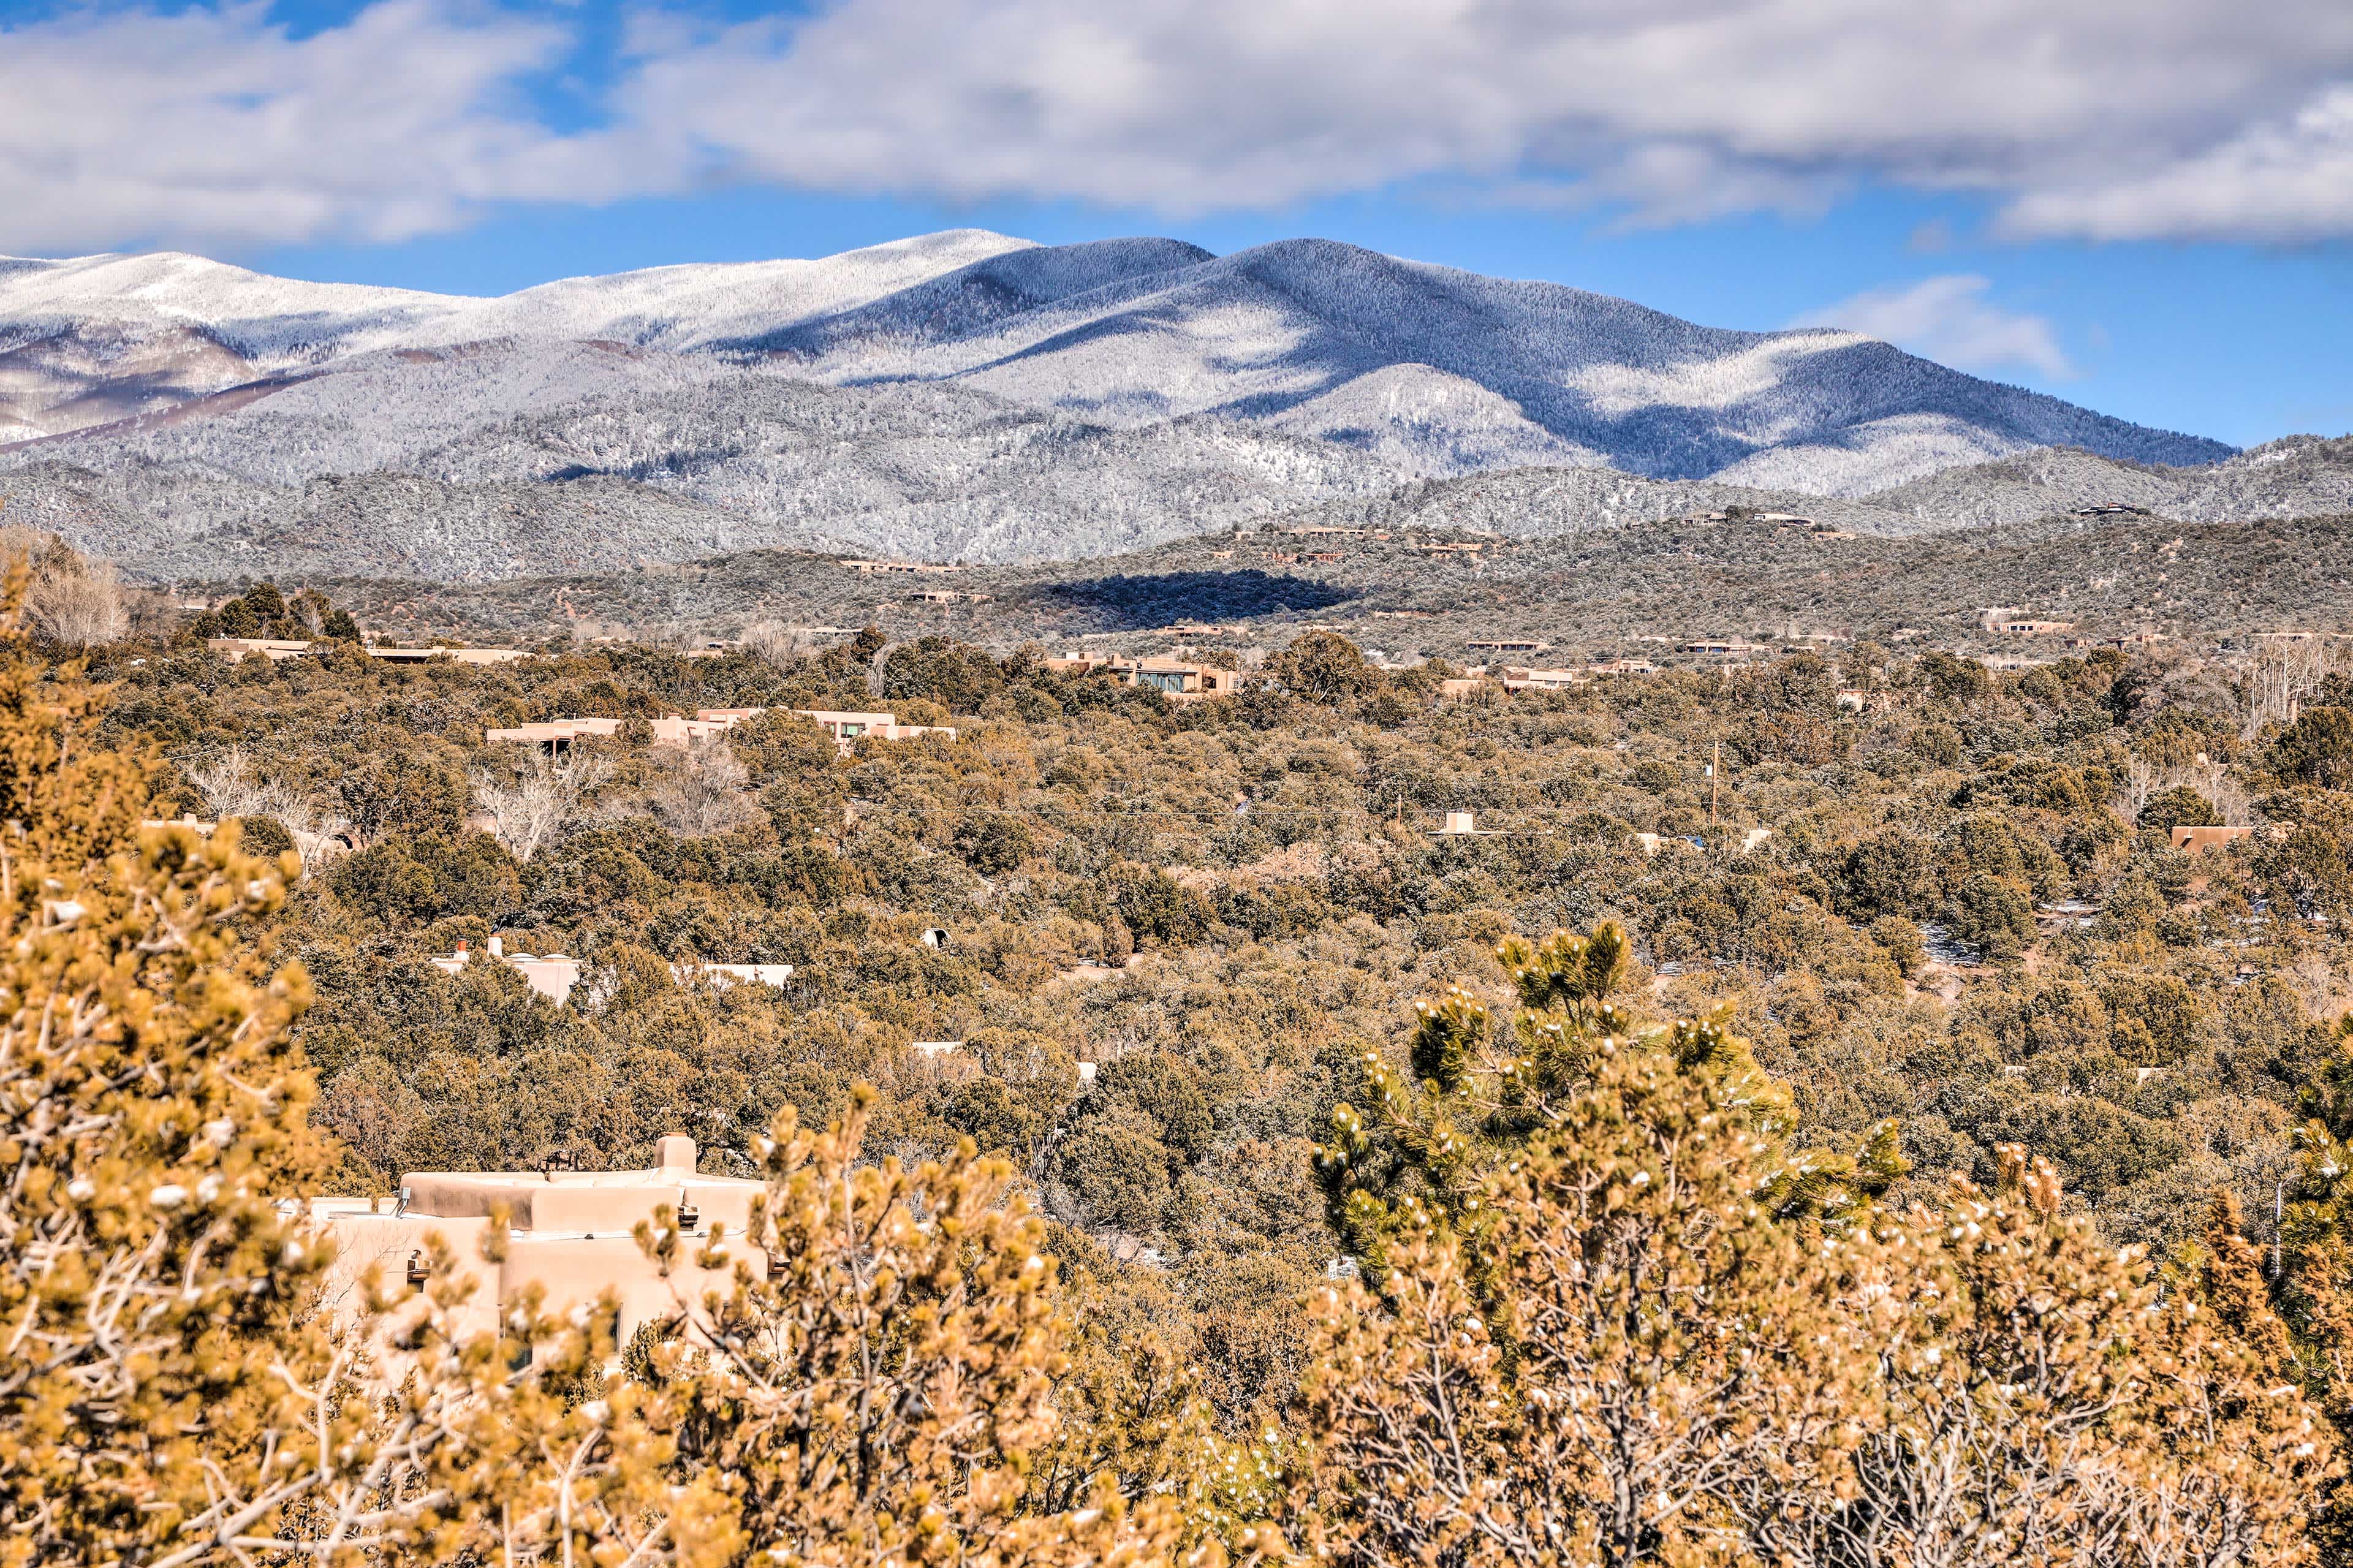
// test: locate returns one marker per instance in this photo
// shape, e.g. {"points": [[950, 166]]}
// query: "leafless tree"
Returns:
{"points": [[230, 786], [527, 812], [70, 598], [779, 644], [2143, 782], [2284, 671], [78, 603], [702, 790]]}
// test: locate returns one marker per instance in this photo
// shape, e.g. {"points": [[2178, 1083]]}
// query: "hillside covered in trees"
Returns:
{"points": [[1639, 589], [1818, 1116]]}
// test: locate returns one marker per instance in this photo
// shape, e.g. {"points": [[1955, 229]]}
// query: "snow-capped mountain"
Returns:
{"points": [[961, 393], [1354, 346]]}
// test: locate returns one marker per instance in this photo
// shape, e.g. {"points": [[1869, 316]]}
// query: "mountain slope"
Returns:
{"points": [[959, 395], [2301, 476], [124, 311], [1137, 330], [589, 457]]}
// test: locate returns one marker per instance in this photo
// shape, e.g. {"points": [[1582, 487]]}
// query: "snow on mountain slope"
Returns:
{"points": [[589, 455], [958, 393], [144, 307], [2299, 476], [1259, 333], [1424, 421]]}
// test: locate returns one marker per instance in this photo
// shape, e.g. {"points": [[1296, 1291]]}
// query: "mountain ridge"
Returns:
{"points": [[963, 394]]}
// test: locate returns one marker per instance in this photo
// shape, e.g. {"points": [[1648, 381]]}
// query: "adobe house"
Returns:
{"points": [[723, 975], [555, 735], [846, 728], [1178, 678], [2199, 840], [552, 977], [455, 655], [1517, 678], [236, 651], [568, 1232], [673, 732]]}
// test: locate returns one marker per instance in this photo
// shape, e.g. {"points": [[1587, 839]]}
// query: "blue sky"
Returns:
{"points": [[2139, 207]]}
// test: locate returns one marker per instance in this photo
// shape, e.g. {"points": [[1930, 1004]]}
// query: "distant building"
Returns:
{"points": [[236, 651], [398, 655], [2201, 840], [555, 735], [847, 729], [1457, 825], [1726, 647], [674, 731], [1518, 679], [726, 974], [895, 568], [1176, 679], [1509, 645], [186, 819], [568, 1234], [552, 975]]}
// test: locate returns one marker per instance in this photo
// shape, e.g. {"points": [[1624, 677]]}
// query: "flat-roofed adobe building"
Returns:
{"points": [[847, 728], [553, 975], [420, 655], [568, 1232], [236, 651], [2202, 841], [1174, 678], [554, 735]]}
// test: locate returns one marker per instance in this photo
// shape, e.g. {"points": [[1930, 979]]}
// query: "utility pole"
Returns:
{"points": [[1714, 781]]}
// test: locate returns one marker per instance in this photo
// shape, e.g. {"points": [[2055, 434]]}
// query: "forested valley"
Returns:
{"points": [[1811, 1112]]}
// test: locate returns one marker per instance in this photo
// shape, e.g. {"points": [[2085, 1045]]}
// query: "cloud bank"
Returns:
{"points": [[1949, 320], [2070, 118]]}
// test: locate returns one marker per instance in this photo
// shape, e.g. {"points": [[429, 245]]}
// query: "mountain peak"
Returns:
{"points": [[1142, 386]]}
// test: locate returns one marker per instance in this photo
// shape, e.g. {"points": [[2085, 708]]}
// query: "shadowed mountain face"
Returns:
{"points": [[1142, 602], [960, 395]]}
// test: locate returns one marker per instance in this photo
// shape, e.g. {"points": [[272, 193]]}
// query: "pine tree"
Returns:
{"points": [[1642, 1330], [1427, 1150]]}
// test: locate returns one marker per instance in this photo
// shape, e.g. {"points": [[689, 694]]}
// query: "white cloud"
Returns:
{"points": [[2288, 179], [2093, 118], [1949, 320], [2077, 116], [216, 127]]}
